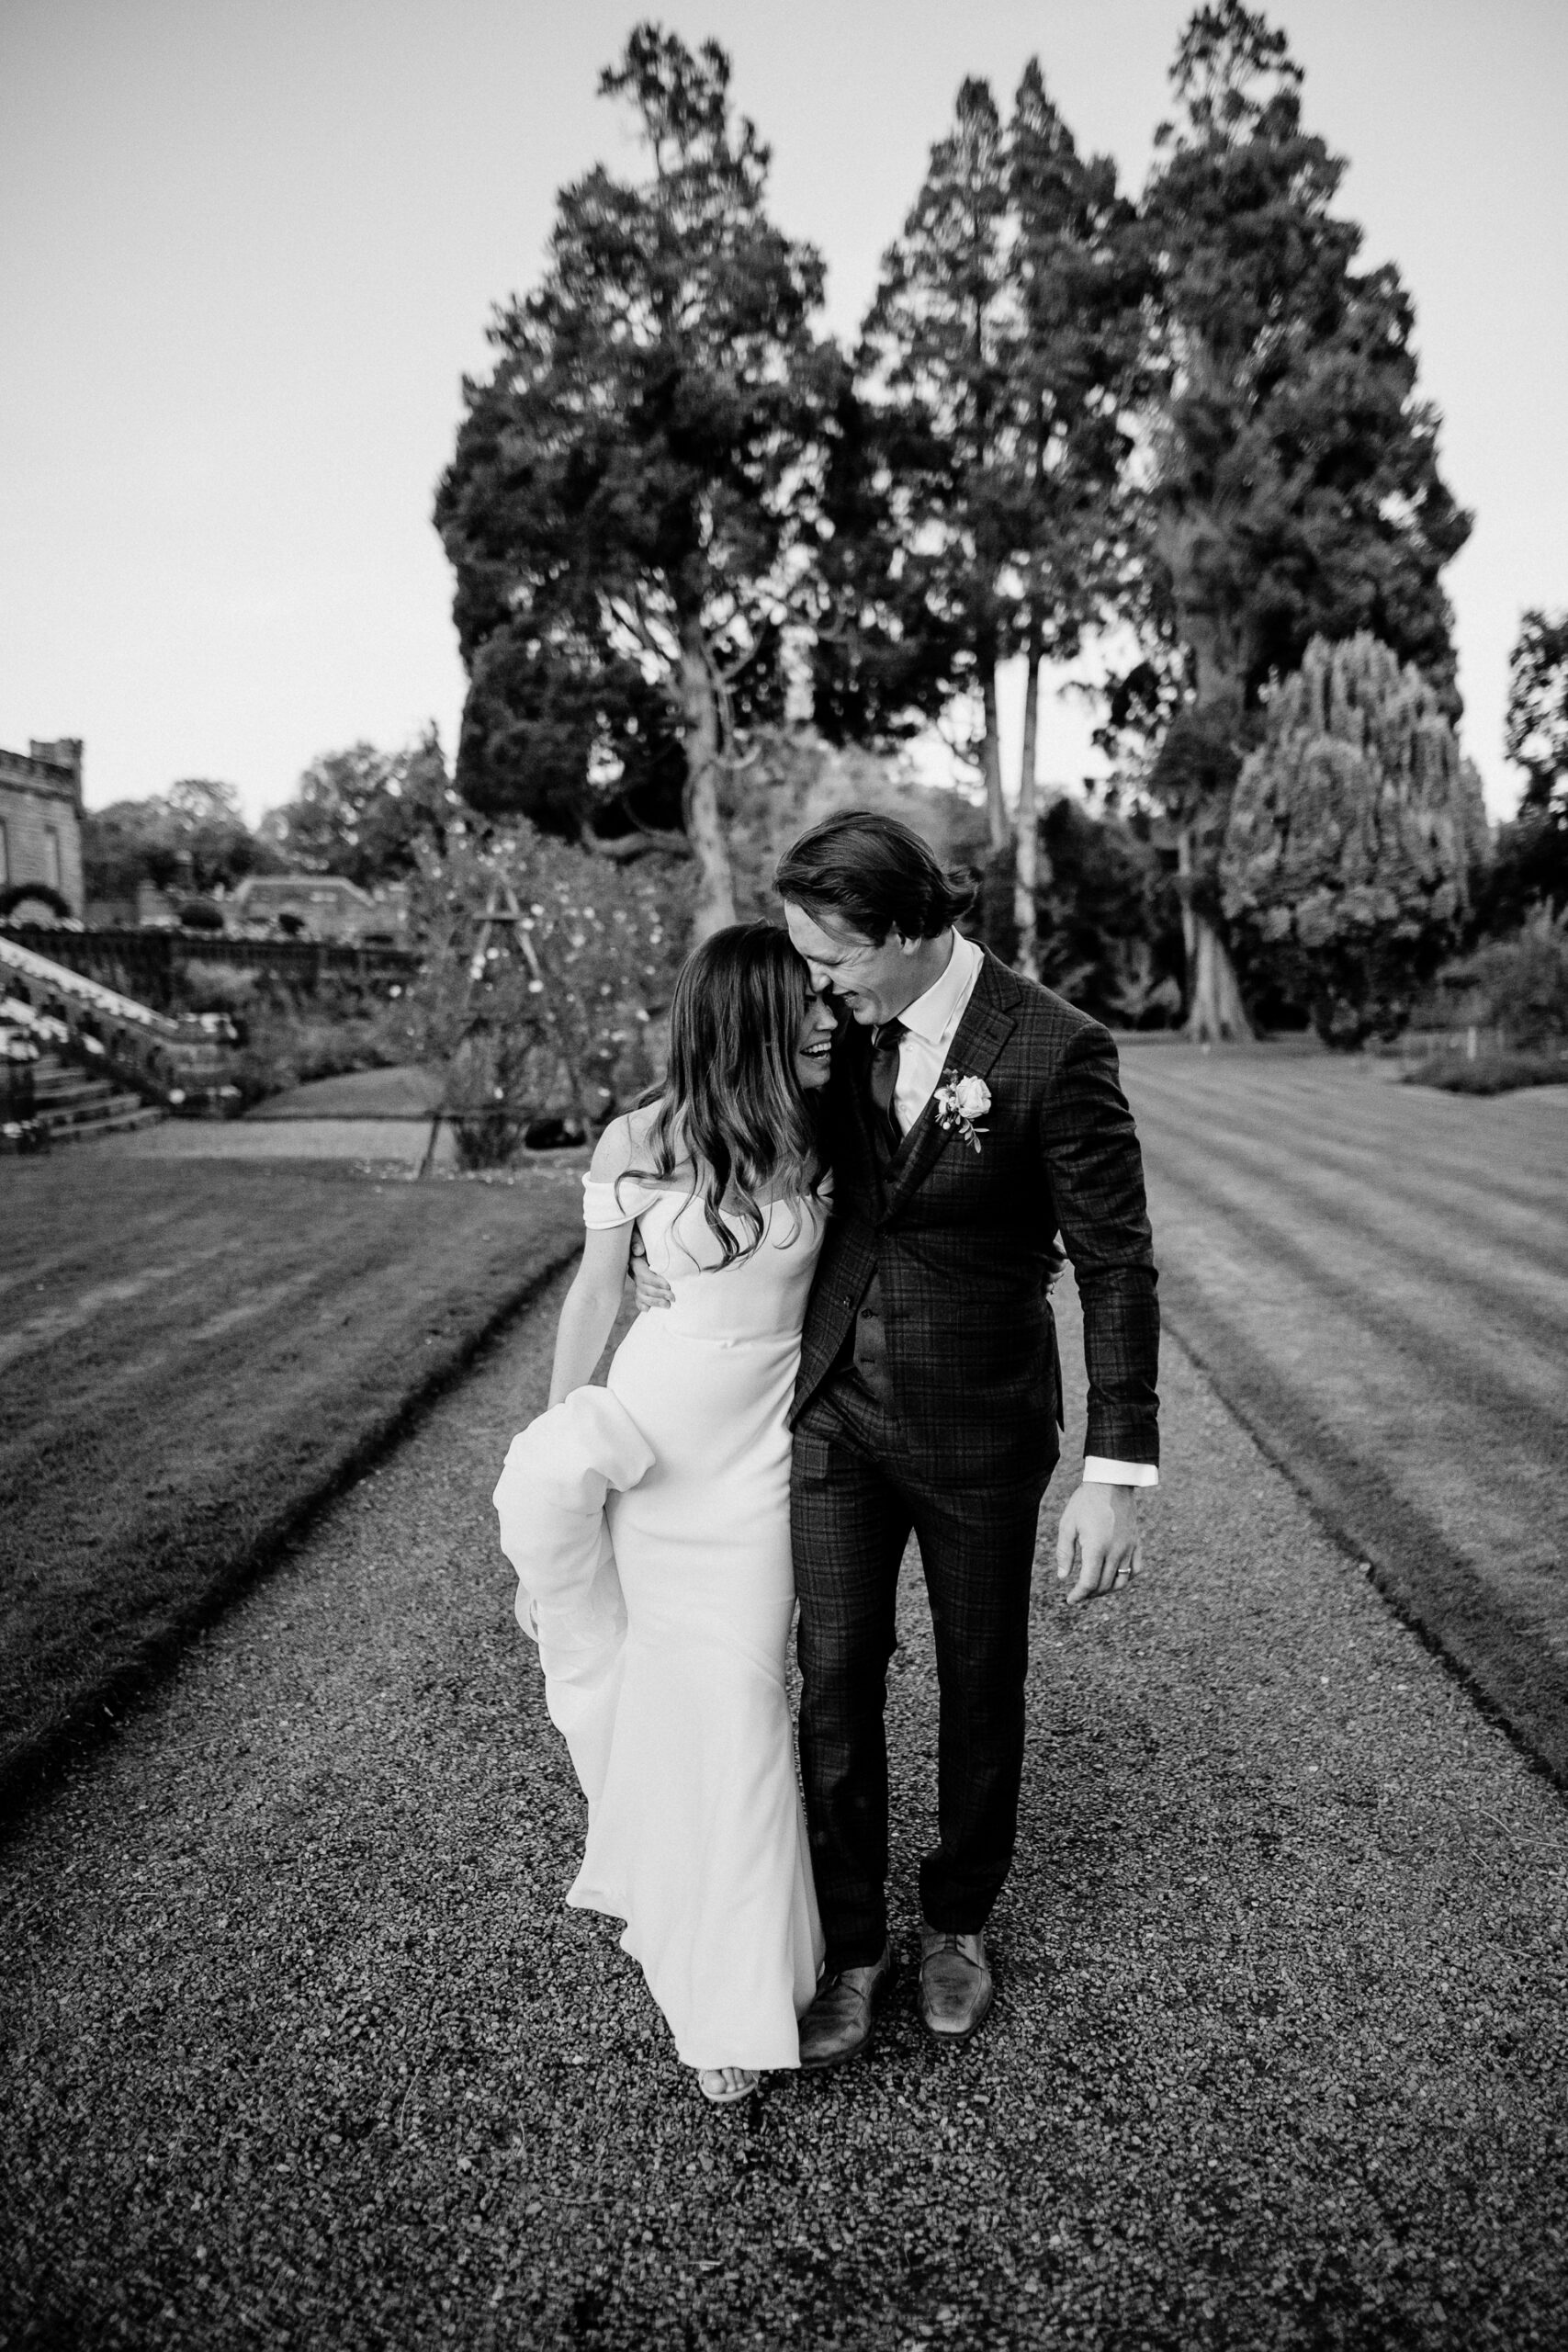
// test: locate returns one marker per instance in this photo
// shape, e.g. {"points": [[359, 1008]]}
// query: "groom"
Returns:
{"points": [[971, 1115]]}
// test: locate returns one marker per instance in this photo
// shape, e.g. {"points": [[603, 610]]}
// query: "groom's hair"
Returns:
{"points": [[871, 875]]}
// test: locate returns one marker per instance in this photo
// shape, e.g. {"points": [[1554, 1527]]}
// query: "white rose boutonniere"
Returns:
{"points": [[959, 1103]]}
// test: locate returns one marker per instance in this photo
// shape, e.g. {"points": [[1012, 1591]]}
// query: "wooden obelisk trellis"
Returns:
{"points": [[502, 915]]}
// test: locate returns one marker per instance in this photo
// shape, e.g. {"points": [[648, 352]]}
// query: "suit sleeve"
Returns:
{"points": [[1096, 1172]]}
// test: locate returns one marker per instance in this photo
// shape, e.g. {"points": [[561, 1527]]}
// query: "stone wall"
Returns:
{"points": [[41, 819]]}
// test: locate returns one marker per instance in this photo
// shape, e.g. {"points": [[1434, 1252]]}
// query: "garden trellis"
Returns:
{"points": [[546, 967], [465, 1068]]}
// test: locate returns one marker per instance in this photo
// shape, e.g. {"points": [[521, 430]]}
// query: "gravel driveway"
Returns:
{"points": [[304, 2051]]}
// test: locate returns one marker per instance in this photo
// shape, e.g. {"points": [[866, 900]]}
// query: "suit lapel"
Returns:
{"points": [[986, 1025]]}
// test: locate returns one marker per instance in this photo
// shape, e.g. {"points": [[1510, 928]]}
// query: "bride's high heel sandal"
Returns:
{"points": [[718, 2093]]}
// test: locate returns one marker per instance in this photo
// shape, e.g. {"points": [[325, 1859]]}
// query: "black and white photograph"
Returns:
{"points": [[784, 1176]]}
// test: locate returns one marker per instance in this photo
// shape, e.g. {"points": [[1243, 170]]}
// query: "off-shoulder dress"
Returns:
{"points": [[698, 1839]]}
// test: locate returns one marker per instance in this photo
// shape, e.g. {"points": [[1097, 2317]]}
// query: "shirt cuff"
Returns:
{"points": [[1106, 1473]]}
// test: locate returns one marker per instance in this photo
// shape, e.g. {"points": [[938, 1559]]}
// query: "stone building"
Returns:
{"points": [[41, 819]]}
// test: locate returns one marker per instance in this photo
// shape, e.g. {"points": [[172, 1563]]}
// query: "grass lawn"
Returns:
{"points": [[195, 1355], [403, 1091], [1375, 1278]]}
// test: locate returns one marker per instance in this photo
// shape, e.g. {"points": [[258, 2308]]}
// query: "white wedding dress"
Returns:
{"points": [[696, 1835]]}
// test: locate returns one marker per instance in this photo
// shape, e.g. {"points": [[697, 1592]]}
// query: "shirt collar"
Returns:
{"points": [[930, 1016]]}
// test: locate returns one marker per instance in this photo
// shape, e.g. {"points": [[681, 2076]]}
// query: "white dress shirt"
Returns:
{"points": [[931, 1024]]}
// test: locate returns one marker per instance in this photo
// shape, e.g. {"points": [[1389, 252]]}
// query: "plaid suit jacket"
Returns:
{"points": [[963, 1244]]}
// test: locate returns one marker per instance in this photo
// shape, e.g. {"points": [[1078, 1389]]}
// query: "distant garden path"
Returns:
{"points": [[303, 2049], [1376, 1278]]}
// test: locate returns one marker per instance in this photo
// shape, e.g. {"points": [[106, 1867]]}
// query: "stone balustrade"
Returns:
{"points": [[169, 1059]]}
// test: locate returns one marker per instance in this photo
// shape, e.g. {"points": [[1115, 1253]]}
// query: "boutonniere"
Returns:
{"points": [[959, 1103]]}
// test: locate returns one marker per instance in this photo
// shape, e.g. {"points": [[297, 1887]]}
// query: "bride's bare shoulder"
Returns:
{"points": [[623, 1143]]}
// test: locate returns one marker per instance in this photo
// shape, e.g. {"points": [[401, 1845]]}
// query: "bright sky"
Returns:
{"points": [[248, 247]]}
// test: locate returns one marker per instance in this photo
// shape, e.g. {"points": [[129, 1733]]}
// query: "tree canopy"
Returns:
{"points": [[1530, 869], [1296, 487], [365, 813], [1080, 284], [937, 349], [1197, 417], [193, 837], [998, 360], [630, 493], [1535, 728]]}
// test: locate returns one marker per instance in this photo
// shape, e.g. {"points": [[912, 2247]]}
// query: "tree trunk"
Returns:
{"points": [[705, 821], [1215, 1012], [1026, 856], [991, 761]]}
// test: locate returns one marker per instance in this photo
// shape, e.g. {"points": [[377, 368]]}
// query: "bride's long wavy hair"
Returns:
{"points": [[732, 1104]]}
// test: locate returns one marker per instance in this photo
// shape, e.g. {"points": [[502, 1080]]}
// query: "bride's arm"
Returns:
{"points": [[588, 1313]]}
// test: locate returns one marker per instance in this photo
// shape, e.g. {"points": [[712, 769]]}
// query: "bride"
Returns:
{"points": [[697, 1838]]}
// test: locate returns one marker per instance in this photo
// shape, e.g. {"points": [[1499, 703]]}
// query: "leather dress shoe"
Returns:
{"points": [[955, 1984], [838, 2024]]}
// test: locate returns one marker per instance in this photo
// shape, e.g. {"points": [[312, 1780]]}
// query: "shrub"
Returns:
{"points": [[200, 987], [27, 897], [1500, 1073], [1518, 986], [287, 1042], [1355, 839]]}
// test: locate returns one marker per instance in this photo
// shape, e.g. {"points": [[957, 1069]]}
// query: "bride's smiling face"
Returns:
{"points": [[814, 1044]]}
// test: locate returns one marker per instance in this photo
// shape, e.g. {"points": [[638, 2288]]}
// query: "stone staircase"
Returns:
{"points": [[76, 1107], [96, 1063]]}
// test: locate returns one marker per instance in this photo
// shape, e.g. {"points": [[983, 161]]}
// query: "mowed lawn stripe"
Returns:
{"points": [[1516, 1244], [200, 1353], [1513, 1148], [1404, 1361], [1503, 1332], [1437, 1422], [1508, 1652]]}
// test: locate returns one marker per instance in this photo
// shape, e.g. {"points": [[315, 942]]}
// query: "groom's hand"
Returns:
{"points": [[648, 1288], [1098, 1534]]}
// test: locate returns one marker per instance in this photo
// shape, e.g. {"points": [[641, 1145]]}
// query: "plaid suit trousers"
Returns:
{"points": [[857, 1492]]}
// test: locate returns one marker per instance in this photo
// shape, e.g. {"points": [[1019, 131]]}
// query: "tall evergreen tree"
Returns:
{"points": [[937, 350], [1357, 834], [1078, 277], [884, 654], [628, 487], [1297, 488]]}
